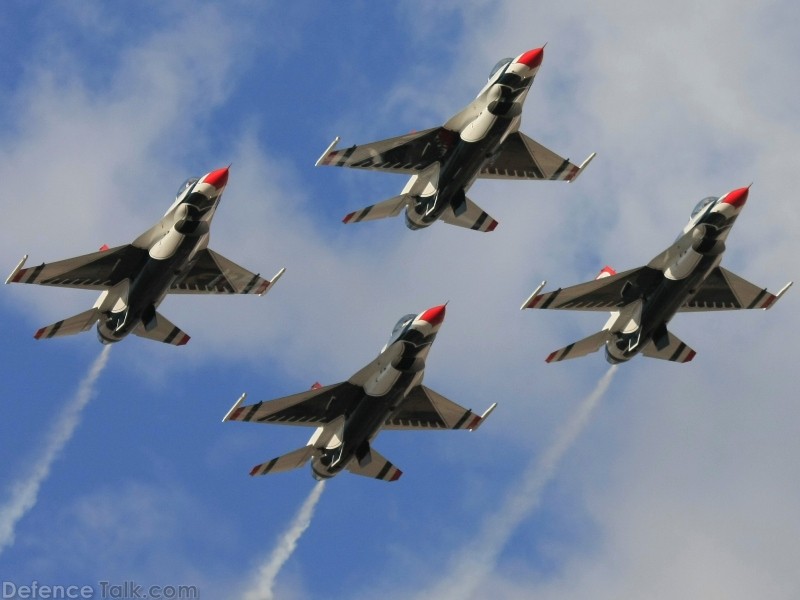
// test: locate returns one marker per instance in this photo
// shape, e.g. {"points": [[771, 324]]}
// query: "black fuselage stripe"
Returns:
{"points": [[462, 420], [678, 352], [35, 274], [755, 302], [364, 213], [172, 334], [270, 465], [55, 329], [345, 156], [384, 471], [550, 300], [481, 220], [251, 412], [561, 169], [566, 351], [251, 284]]}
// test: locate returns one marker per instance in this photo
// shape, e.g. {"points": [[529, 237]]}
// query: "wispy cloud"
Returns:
{"points": [[25, 492], [268, 572], [478, 560]]}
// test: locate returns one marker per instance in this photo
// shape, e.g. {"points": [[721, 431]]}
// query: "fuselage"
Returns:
{"points": [[478, 131], [168, 250], [384, 392], [673, 278]]}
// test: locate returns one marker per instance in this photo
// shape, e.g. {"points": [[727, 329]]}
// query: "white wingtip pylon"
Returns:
{"points": [[328, 150], [484, 416], [584, 164], [779, 294], [533, 295], [273, 280], [234, 407], [17, 269]]}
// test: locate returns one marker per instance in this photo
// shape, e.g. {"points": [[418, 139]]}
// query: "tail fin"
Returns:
{"points": [[160, 329], [77, 324], [287, 462], [376, 466], [580, 348], [381, 210]]}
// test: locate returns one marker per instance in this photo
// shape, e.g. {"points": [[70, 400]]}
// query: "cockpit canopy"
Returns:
{"points": [[501, 64], [400, 328], [704, 204], [189, 183]]}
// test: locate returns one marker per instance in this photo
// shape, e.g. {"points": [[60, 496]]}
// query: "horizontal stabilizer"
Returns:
{"points": [[287, 462], [580, 348], [77, 324], [672, 348], [377, 467], [470, 216], [162, 331], [381, 210]]}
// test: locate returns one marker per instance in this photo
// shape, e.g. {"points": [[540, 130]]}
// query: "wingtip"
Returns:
{"points": [[772, 301], [267, 285], [483, 417], [328, 150], [530, 302], [234, 407], [584, 164], [16, 272]]}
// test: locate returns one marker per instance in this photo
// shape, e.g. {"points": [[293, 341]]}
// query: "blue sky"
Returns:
{"points": [[683, 484]]}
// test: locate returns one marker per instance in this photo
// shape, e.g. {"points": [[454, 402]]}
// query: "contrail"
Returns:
{"points": [[265, 579], [25, 492], [478, 560]]}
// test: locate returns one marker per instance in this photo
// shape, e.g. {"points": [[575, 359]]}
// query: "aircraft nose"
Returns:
{"points": [[218, 178], [434, 315], [737, 198], [532, 58]]}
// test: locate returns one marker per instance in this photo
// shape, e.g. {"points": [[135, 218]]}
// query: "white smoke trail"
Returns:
{"points": [[25, 492], [478, 560], [265, 579]]}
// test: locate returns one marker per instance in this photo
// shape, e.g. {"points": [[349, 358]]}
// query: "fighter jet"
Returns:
{"points": [[386, 394], [686, 277], [170, 257], [483, 140]]}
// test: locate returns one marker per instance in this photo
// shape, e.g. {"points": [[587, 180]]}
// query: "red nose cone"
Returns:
{"points": [[737, 197], [217, 178], [434, 315], [532, 58]]}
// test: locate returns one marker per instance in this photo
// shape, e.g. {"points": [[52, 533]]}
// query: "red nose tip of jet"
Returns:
{"points": [[532, 58], [218, 178], [434, 315], [737, 197]]}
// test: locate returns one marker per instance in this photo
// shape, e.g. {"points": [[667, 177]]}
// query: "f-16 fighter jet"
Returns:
{"points": [[483, 140], [170, 257], [685, 277], [386, 394]]}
